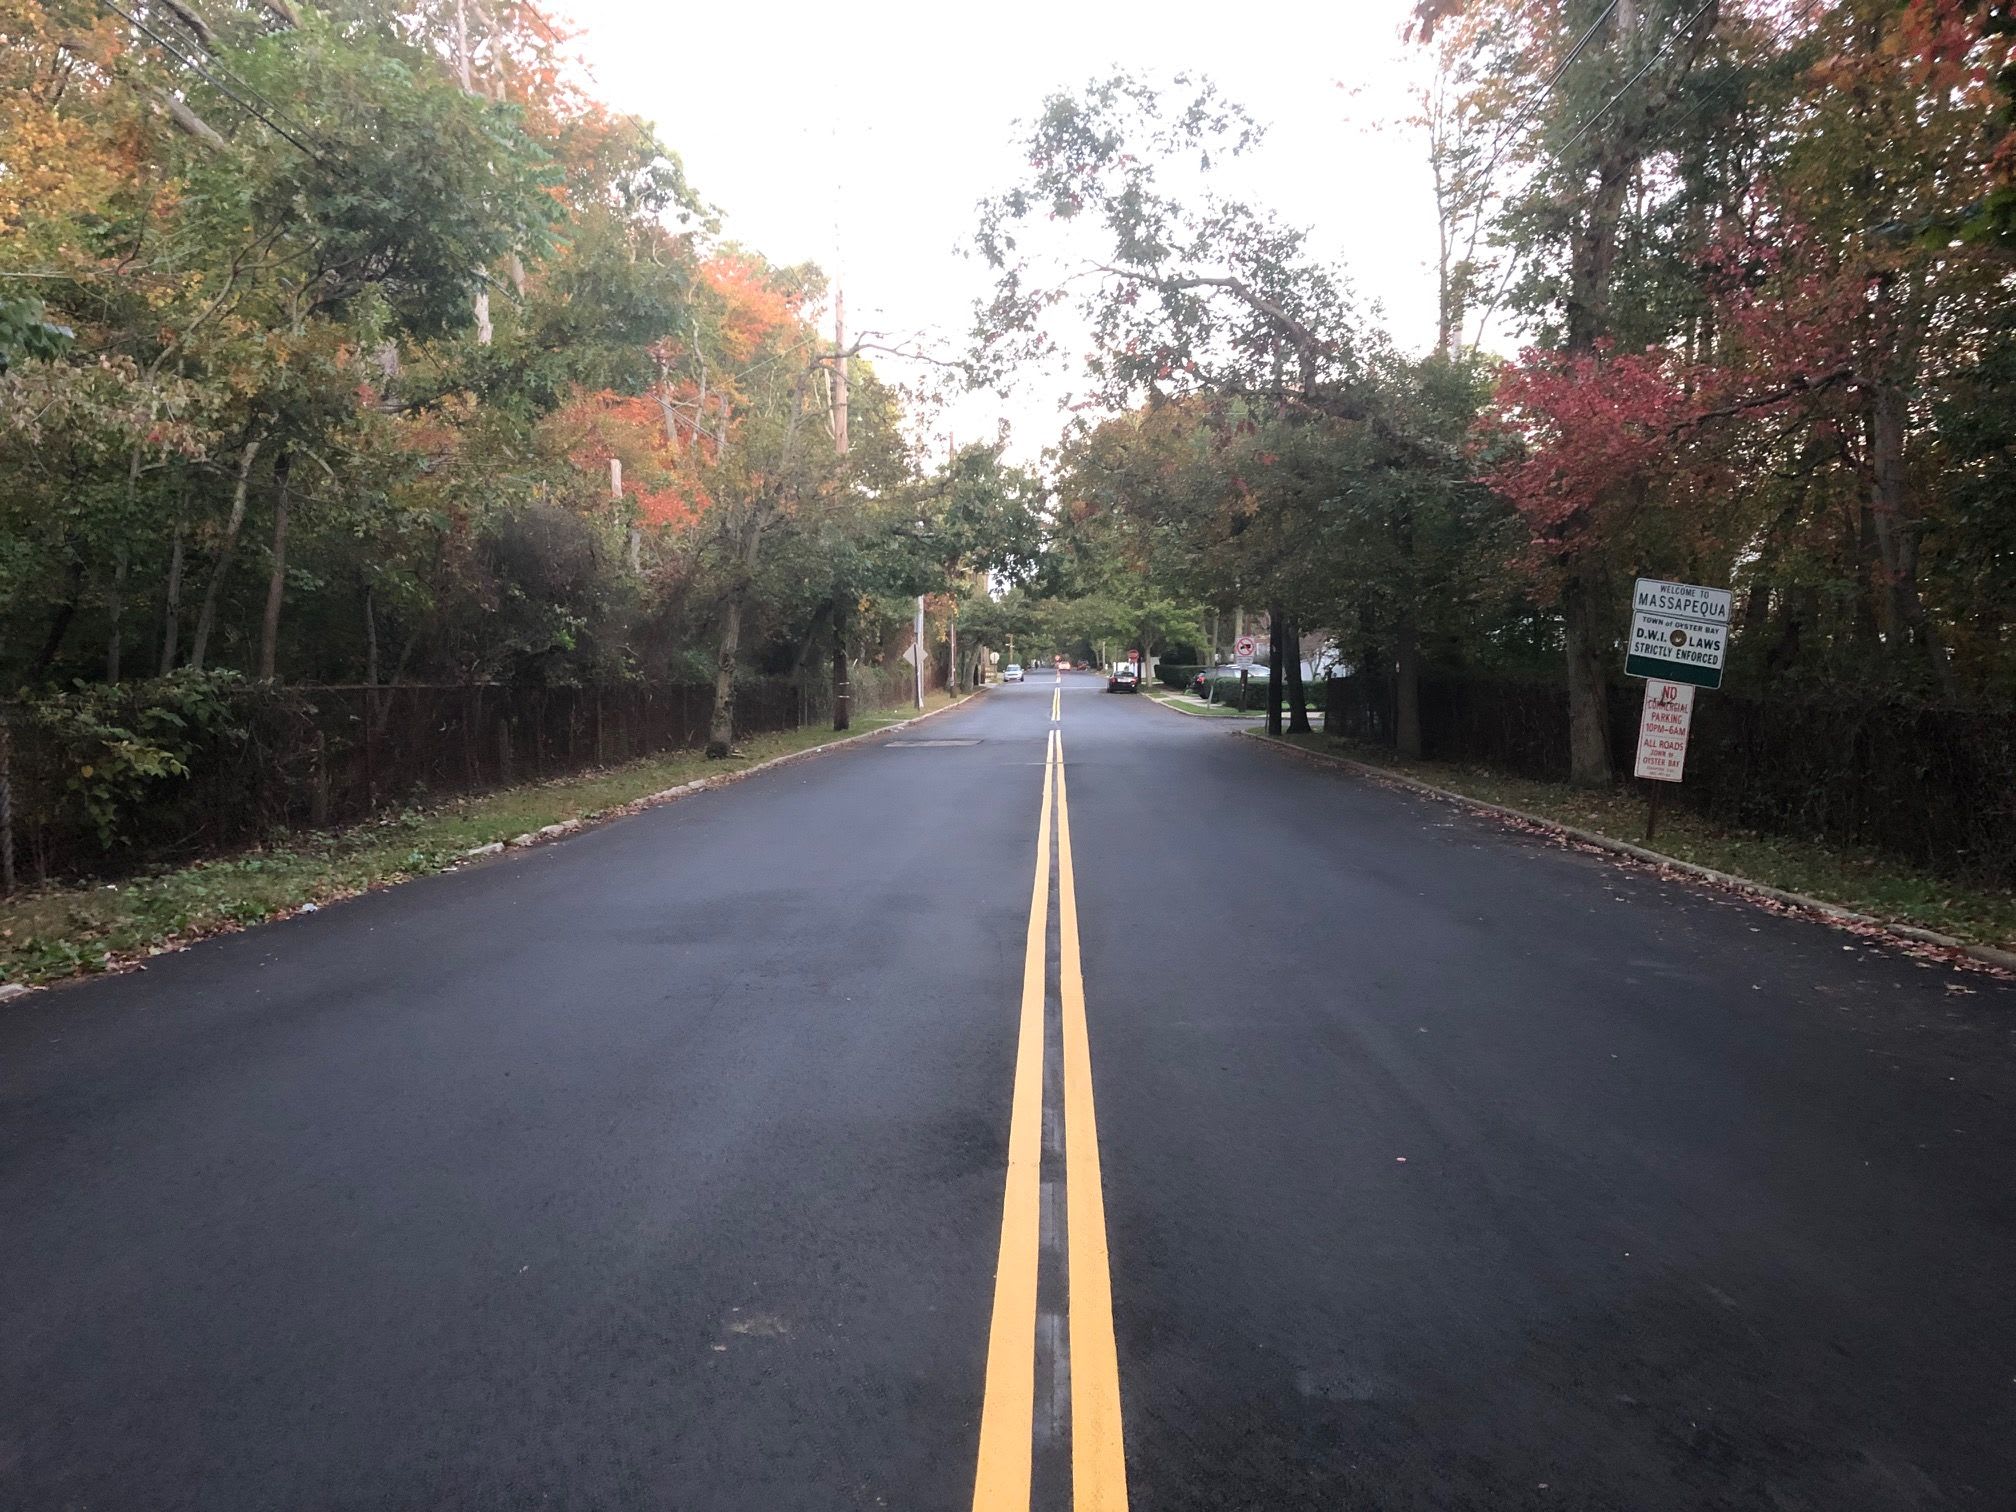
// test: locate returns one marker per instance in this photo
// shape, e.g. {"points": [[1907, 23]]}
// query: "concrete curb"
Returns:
{"points": [[11, 990], [1197, 713], [1987, 955]]}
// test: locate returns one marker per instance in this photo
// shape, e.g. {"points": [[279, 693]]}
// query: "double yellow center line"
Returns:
{"points": [[1007, 1417]]}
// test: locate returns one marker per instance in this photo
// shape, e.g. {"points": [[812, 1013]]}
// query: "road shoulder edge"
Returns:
{"points": [[137, 960], [663, 796], [1986, 955]]}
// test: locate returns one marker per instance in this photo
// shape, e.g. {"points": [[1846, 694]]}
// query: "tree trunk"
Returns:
{"points": [[206, 617], [1868, 624], [116, 603], [721, 728], [1756, 609], [1593, 245], [1588, 694], [1277, 642], [805, 649], [59, 627], [1800, 608], [171, 614], [113, 609], [1407, 687], [843, 692], [1889, 515], [1298, 693], [276, 584]]}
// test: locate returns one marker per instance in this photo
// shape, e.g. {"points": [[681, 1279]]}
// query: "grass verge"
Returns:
{"points": [[1184, 705], [1854, 877], [64, 931]]}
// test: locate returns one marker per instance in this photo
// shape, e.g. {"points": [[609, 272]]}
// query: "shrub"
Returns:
{"points": [[110, 751], [1224, 689], [1176, 674]]}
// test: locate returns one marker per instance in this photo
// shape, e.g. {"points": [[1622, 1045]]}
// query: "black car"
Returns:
{"points": [[1123, 680]]}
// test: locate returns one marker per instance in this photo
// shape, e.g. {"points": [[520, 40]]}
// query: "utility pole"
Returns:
{"points": [[843, 693], [635, 539], [483, 329], [840, 372], [917, 634]]}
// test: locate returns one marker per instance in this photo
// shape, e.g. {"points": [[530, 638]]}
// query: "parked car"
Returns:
{"points": [[1011, 673], [1123, 679], [1221, 685]]}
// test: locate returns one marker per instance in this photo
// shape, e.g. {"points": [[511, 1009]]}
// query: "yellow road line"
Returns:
{"points": [[1008, 1409], [1057, 705], [1098, 1460]]}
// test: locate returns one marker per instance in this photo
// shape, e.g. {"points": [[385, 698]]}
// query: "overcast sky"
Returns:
{"points": [[860, 134]]}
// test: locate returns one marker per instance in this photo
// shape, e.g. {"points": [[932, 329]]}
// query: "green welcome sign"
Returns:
{"points": [[1679, 632]]}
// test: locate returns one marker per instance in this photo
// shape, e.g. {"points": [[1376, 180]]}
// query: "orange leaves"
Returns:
{"points": [[660, 478], [759, 313], [59, 141]]}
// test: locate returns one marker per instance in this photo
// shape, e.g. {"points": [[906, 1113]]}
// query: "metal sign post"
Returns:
{"points": [[1242, 653], [1662, 741]]}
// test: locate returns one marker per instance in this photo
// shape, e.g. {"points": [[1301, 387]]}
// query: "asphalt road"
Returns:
{"points": [[1432, 1167]]}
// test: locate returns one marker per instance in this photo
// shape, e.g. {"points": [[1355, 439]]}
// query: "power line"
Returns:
{"points": [[1577, 50], [1511, 130], [1631, 83], [1779, 37], [224, 74], [198, 69]]}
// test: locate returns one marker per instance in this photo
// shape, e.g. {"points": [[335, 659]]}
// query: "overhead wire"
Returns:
{"points": [[1780, 37], [1560, 70], [1631, 83], [1575, 52], [219, 84], [215, 65]]}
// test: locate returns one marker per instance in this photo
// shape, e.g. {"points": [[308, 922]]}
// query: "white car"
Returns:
{"points": [[1012, 672]]}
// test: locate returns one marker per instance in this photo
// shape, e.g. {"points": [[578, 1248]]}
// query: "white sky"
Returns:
{"points": [[870, 128]]}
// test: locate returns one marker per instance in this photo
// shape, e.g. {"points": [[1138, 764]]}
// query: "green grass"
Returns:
{"points": [[62, 931], [1854, 877], [1255, 712]]}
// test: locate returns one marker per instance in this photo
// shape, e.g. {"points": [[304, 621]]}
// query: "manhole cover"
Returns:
{"points": [[928, 744]]}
